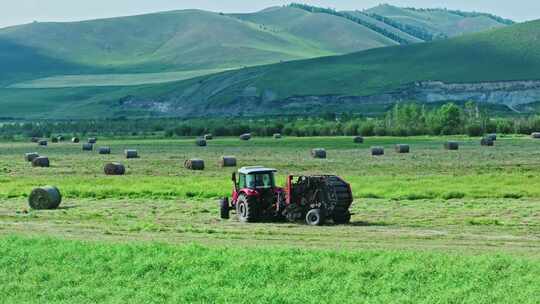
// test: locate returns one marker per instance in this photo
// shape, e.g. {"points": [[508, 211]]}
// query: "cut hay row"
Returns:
{"points": [[45, 198]]}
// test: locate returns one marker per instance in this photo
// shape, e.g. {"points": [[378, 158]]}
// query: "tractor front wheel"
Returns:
{"points": [[224, 208], [314, 217], [245, 210]]}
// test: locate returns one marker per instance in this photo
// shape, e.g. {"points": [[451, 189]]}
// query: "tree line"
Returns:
{"points": [[407, 119]]}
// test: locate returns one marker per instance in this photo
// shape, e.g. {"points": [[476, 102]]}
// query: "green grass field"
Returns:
{"points": [[429, 226]]}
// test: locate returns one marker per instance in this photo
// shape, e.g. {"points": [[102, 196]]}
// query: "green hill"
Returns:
{"points": [[189, 40], [430, 24], [359, 82]]}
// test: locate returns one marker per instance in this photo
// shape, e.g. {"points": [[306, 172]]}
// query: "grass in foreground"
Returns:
{"points": [[47, 270]]}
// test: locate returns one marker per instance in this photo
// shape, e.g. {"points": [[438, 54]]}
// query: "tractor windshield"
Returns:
{"points": [[260, 180]]}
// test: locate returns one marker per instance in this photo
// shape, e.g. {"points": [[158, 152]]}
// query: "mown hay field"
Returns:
{"points": [[429, 226]]}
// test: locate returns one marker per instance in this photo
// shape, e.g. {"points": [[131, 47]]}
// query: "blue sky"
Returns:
{"points": [[23, 11]]}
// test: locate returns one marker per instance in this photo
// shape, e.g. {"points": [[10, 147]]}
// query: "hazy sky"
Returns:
{"points": [[24, 11]]}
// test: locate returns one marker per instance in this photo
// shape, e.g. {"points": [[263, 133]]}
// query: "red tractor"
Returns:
{"points": [[314, 199]]}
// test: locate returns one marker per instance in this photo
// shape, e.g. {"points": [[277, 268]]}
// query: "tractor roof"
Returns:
{"points": [[255, 169]]}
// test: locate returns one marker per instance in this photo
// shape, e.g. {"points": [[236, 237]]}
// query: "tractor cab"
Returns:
{"points": [[255, 178]]}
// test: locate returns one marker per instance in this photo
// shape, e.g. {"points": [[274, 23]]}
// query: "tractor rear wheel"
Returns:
{"points": [[314, 217], [245, 209], [224, 208]]}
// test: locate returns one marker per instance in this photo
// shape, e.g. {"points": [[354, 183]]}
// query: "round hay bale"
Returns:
{"points": [[277, 136], [201, 142], [75, 140], [130, 153], [486, 141], [227, 161], [318, 153], [536, 135], [451, 145], [41, 161], [92, 140], [45, 198], [492, 136], [358, 140], [377, 151], [29, 157], [34, 139], [402, 148], [60, 138], [246, 136], [54, 140], [88, 147], [43, 143], [104, 150], [194, 164], [114, 169], [208, 137]]}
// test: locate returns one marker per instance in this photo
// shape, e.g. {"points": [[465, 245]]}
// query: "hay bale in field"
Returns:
{"points": [[451, 145], [208, 137], [92, 140], [34, 139], [402, 148], [75, 140], [536, 135], [29, 157], [114, 169], [41, 161], [130, 153], [104, 150], [377, 151], [492, 136], [227, 161], [246, 136], [358, 140], [194, 164], [45, 198], [318, 153], [43, 143], [201, 142], [277, 136], [88, 147], [54, 140], [486, 141], [60, 138]]}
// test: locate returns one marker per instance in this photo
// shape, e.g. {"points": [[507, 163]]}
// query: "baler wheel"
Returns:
{"points": [[341, 218], [314, 217]]}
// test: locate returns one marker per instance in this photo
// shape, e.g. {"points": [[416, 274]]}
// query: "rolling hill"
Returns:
{"points": [[500, 66], [430, 24], [181, 44], [189, 40]]}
